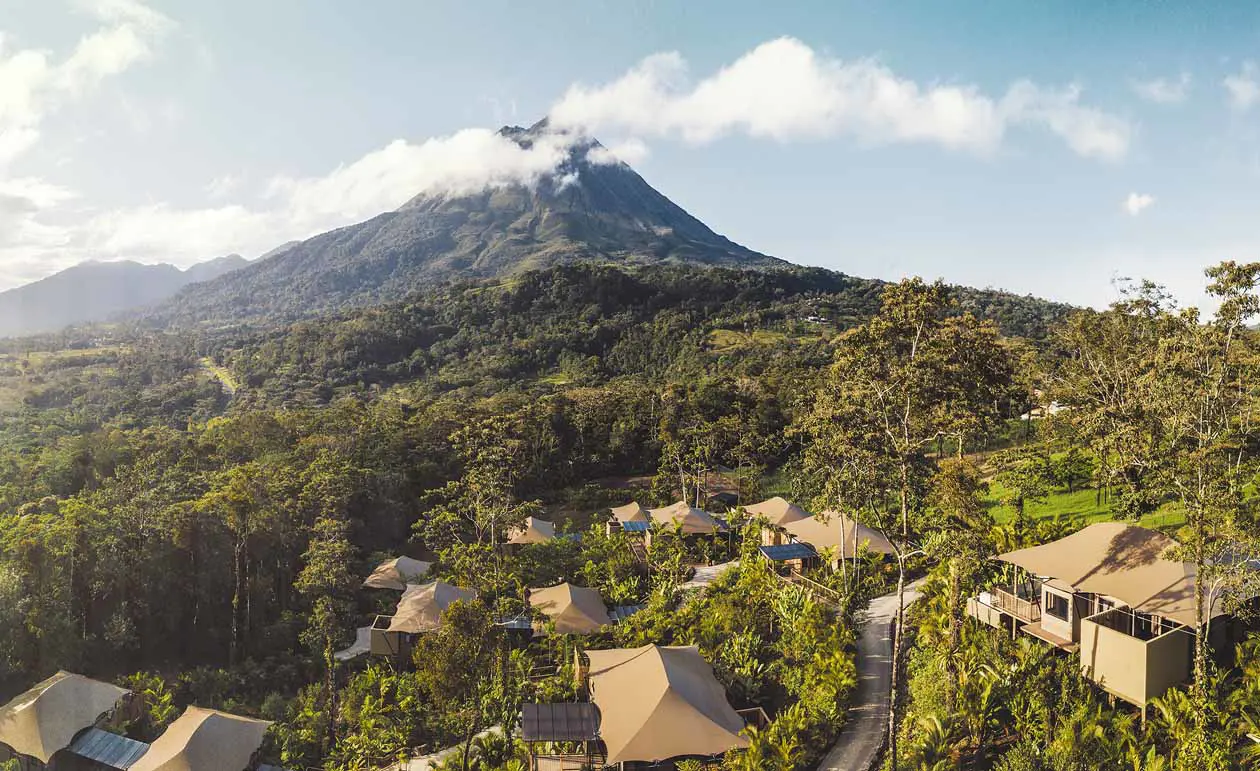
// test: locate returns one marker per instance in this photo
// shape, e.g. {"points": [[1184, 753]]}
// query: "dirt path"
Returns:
{"points": [[221, 374], [862, 737]]}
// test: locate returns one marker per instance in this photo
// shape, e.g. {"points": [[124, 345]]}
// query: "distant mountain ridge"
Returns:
{"points": [[98, 291], [584, 212]]}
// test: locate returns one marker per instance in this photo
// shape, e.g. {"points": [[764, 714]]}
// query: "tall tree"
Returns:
{"points": [[914, 373]]}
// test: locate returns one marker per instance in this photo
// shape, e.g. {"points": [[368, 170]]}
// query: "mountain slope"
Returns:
{"points": [[96, 291], [585, 212]]}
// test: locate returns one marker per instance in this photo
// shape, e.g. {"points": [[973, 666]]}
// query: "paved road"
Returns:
{"points": [[862, 737]]}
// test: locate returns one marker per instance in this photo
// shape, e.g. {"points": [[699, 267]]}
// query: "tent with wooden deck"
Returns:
{"points": [[631, 512], [837, 531], [419, 610], [689, 519]]}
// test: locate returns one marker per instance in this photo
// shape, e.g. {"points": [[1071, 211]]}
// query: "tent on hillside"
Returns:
{"points": [[419, 610], [574, 609], [205, 740], [778, 511], [631, 512], [397, 573], [534, 531], [44, 720], [834, 530], [657, 703], [691, 520]]}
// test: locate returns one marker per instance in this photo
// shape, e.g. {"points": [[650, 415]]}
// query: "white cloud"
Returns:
{"points": [[1163, 90], [300, 207], [784, 90], [223, 187], [1137, 202], [1243, 87], [631, 151]]}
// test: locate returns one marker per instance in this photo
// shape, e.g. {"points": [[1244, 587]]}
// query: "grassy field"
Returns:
{"points": [[20, 374], [721, 340], [1082, 506]]}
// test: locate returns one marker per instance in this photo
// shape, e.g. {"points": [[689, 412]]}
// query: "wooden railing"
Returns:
{"points": [[823, 594], [1022, 608]]}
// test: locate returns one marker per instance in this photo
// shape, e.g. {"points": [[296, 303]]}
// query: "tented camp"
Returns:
{"points": [[44, 721], [834, 531], [205, 740], [657, 703], [573, 609], [1111, 593], [534, 531], [397, 573], [419, 610]]}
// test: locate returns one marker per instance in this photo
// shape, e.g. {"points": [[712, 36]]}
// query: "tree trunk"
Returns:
{"points": [[951, 660], [238, 556]]}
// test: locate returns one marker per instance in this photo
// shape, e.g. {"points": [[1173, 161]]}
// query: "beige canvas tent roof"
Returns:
{"points": [[1118, 560], [690, 519], [661, 702], [574, 609], [535, 531], [778, 511], [397, 573], [421, 606], [631, 512], [825, 531], [205, 740], [45, 719]]}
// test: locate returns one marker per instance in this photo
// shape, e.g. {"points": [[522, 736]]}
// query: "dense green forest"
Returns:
{"points": [[190, 511]]}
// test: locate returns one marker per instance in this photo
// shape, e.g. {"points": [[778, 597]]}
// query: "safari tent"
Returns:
{"points": [[397, 573], [573, 609], [838, 532], [657, 703], [535, 531], [631, 512], [44, 720], [1112, 593], [778, 511], [419, 610], [205, 740]]}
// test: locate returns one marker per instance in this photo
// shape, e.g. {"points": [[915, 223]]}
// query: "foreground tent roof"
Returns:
{"points": [[778, 511], [1122, 561], [535, 531], [574, 609], [661, 702], [631, 512], [421, 606], [205, 740], [832, 528], [397, 573], [689, 518], [45, 719]]}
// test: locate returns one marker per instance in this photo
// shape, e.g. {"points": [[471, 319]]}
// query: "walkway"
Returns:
{"points": [[429, 762], [362, 644], [707, 574], [862, 738]]}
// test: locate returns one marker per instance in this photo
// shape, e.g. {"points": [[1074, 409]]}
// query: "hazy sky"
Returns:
{"points": [[1022, 146]]}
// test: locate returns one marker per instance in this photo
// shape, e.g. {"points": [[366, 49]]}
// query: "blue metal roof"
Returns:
{"points": [[622, 612], [108, 749], [789, 551], [636, 527]]}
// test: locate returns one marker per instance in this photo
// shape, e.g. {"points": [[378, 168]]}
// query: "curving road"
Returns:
{"points": [[862, 738]]}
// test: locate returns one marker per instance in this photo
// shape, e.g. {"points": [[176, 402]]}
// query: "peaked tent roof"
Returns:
{"points": [[205, 740], [661, 702], [779, 511], [574, 609], [397, 573], [45, 719], [1122, 561], [691, 519], [535, 531], [631, 512], [827, 534], [421, 606]]}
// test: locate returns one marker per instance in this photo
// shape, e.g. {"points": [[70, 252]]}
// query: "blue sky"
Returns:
{"points": [[1040, 148]]}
